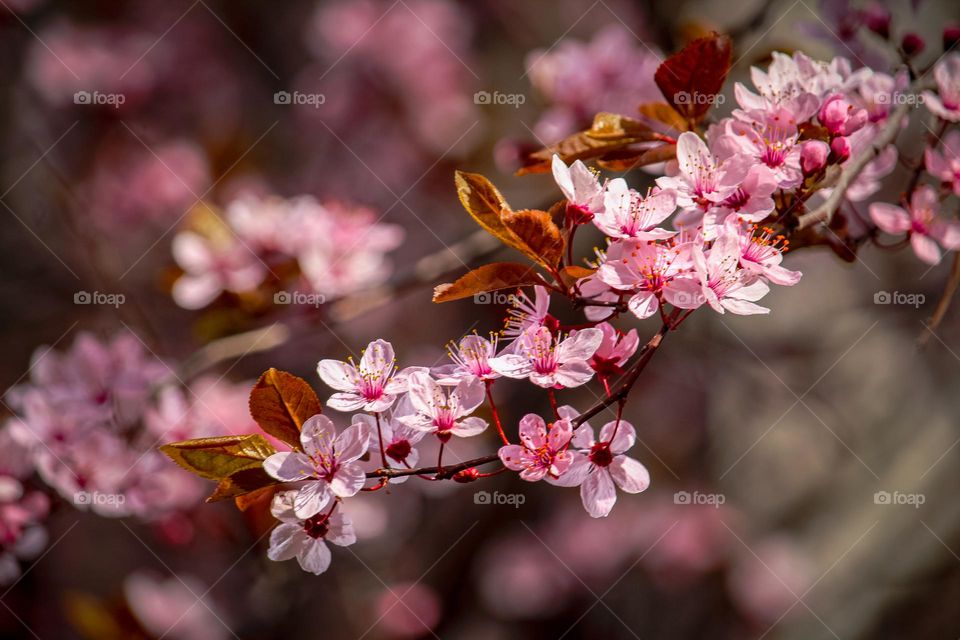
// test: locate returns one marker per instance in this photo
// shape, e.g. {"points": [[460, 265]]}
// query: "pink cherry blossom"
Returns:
{"points": [[702, 179], [761, 253], [647, 271], [550, 361], [327, 462], [768, 137], [471, 358], [614, 350], [922, 221], [945, 103], [399, 440], [627, 214], [442, 411], [584, 194], [212, 267], [541, 454], [945, 164], [599, 466], [305, 538], [525, 313], [722, 283], [372, 385]]}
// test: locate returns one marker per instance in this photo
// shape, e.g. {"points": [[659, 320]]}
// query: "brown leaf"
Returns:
{"points": [[281, 402], [484, 203], [242, 483], [572, 273], [609, 132], [664, 114], [691, 79], [538, 236], [626, 160], [489, 277], [220, 457]]}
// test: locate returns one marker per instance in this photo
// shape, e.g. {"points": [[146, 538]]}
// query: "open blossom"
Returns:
{"points": [[768, 137], [212, 266], [702, 180], [629, 215], [305, 538], [945, 102], [722, 283], [399, 440], [922, 220], [471, 358], [445, 411], [584, 194], [614, 350], [542, 454], [761, 252], [648, 272], [945, 164], [599, 466], [372, 385], [550, 361], [525, 313], [327, 463], [795, 82]]}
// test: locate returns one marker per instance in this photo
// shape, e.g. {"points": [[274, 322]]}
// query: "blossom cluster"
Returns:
{"points": [[337, 249], [88, 422]]}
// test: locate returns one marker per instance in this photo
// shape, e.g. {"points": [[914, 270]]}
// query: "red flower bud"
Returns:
{"points": [[467, 475], [912, 44]]}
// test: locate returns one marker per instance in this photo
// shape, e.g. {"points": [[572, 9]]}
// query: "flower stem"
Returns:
{"points": [[496, 415]]}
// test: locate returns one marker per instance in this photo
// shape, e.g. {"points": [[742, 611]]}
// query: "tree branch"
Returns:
{"points": [[824, 213], [447, 472]]}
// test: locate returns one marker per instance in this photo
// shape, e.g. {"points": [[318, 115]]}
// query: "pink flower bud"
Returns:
{"points": [[840, 149], [877, 19], [813, 156], [840, 117], [912, 44]]}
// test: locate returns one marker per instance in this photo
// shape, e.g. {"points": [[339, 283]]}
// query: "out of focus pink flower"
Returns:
{"points": [[922, 221], [945, 103], [766, 581], [612, 72], [174, 607], [945, 164]]}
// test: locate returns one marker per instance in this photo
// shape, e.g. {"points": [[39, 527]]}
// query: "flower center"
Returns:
{"points": [[317, 526], [399, 450], [601, 455]]}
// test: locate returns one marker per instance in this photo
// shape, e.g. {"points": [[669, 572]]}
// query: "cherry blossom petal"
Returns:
{"points": [[288, 466], [572, 374], [311, 499], [286, 540], [346, 401], [347, 480], [626, 436], [340, 530], [575, 474], [317, 435], [598, 493], [533, 431], [378, 359], [630, 475], [510, 456], [314, 556], [352, 442], [580, 346], [338, 375], [643, 304], [890, 218], [925, 247], [511, 365], [469, 427]]}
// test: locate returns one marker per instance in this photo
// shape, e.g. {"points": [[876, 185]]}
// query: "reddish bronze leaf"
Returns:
{"points": [[281, 402], [489, 277], [691, 79], [626, 160], [484, 203], [538, 236], [242, 483], [665, 115], [610, 132]]}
